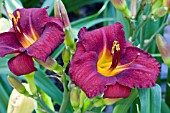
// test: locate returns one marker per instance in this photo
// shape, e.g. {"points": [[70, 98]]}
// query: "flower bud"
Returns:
{"points": [[164, 49], [69, 37], [56, 9], [17, 85], [51, 64], [109, 101], [75, 97], [157, 4], [66, 56], [160, 12], [82, 98], [166, 3], [122, 6], [98, 103], [5, 25], [63, 13], [18, 103], [86, 105]]}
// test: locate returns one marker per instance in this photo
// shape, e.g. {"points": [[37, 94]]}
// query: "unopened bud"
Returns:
{"points": [[86, 104], [166, 3], [5, 25], [56, 9], [98, 103], [82, 98], [75, 97], [63, 13], [69, 37], [157, 4], [17, 85], [160, 12], [122, 6], [51, 64], [66, 56], [164, 49], [19, 103], [109, 101]]}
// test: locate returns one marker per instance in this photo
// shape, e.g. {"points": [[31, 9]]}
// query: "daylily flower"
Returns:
{"points": [[33, 35], [105, 63]]}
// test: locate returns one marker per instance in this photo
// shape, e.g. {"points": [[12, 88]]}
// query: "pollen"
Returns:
{"points": [[116, 46], [15, 19]]}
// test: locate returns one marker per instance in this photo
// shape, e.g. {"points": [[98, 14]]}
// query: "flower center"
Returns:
{"points": [[112, 66], [23, 38]]}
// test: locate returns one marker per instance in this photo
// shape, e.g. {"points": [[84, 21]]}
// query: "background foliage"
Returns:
{"points": [[93, 14]]}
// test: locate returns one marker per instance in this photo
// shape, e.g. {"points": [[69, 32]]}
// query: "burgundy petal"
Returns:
{"points": [[51, 38], [56, 20], [142, 73], [32, 20], [103, 36], [117, 91], [21, 64], [9, 44], [84, 73]]}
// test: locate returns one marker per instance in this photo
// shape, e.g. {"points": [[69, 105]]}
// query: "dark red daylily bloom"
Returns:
{"points": [[34, 34], [105, 63]]}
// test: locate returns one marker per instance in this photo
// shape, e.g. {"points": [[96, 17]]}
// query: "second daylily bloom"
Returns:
{"points": [[105, 63], [34, 34]]}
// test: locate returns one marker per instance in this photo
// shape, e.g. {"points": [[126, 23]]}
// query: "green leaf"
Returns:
{"points": [[5, 84], [120, 18], [49, 3], [82, 22], [96, 21], [75, 4], [123, 105], [12, 5], [150, 99], [43, 82], [3, 66], [3, 100], [164, 108]]}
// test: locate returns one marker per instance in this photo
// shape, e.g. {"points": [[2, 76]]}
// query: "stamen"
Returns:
{"points": [[126, 65], [115, 54], [115, 44]]}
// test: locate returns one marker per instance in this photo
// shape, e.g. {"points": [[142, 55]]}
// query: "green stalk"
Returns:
{"points": [[141, 38], [30, 79], [152, 37], [43, 105], [141, 24], [66, 95]]}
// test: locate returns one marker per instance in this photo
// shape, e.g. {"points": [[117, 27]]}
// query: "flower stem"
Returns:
{"points": [[66, 94], [42, 104], [152, 37], [30, 79]]}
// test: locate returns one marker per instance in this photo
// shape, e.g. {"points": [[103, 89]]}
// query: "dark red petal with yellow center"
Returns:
{"points": [[117, 91], [9, 44], [21, 64], [86, 75], [142, 73], [51, 38], [32, 21], [103, 38]]}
